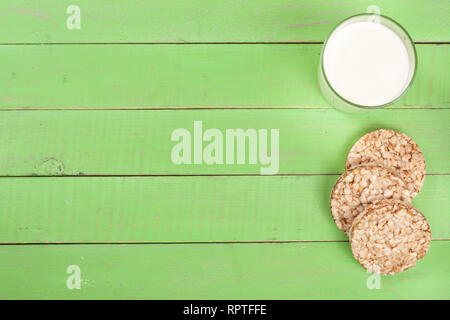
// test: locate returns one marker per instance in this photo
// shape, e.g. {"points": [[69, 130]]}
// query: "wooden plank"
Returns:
{"points": [[184, 209], [208, 20], [200, 76], [138, 142], [213, 271]]}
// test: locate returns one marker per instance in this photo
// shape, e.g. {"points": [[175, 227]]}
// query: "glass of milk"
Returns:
{"points": [[368, 61]]}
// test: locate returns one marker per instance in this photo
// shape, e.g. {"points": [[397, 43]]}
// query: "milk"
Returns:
{"points": [[367, 63]]}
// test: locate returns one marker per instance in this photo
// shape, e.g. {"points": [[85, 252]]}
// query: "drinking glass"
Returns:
{"points": [[330, 93]]}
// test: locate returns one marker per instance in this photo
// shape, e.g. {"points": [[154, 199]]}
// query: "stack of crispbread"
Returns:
{"points": [[371, 202]]}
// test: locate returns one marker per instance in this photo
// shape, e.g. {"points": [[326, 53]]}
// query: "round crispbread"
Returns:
{"points": [[360, 186], [389, 237], [394, 151]]}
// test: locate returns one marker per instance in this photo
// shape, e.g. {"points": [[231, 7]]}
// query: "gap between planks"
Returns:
{"points": [[179, 242], [189, 175], [196, 108], [184, 43]]}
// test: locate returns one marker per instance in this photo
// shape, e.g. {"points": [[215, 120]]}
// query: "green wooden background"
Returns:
{"points": [[85, 172]]}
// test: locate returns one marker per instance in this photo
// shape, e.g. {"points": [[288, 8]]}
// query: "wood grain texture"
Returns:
{"points": [[188, 76], [213, 271], [137, 142], [185, 209], [208, 20], [61, 221]]}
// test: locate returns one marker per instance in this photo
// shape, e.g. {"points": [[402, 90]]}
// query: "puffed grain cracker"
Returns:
{"points": [[389, 237], [394, 151], [360, 186]]}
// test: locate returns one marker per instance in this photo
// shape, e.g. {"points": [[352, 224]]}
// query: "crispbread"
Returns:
{"points": [[358, 187], [394, 151], [389, 237]]}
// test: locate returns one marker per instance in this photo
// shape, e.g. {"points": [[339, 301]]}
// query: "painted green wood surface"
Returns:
{"points": [[213, 271], [182, 76], [185, 209], [38, 71], [208, 20], [136, 142]]}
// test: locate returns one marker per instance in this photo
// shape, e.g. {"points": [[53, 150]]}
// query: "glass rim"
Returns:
{"points": [[355, 104]]}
